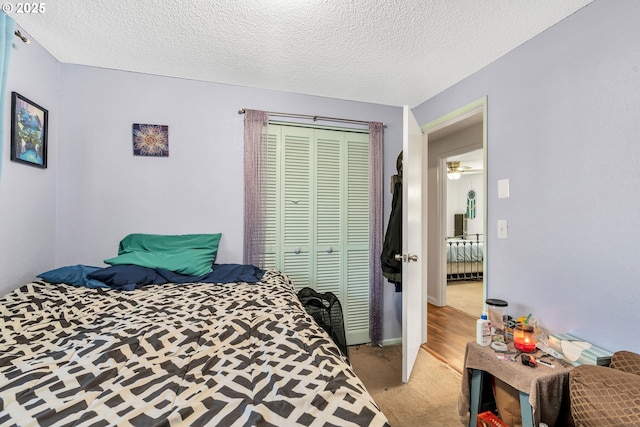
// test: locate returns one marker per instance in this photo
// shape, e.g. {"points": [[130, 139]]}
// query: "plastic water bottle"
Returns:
{"points": [[483, 330]]}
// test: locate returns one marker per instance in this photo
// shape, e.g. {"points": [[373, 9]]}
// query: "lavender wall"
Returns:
{"points": [[28, 194], [563, 127], [104, 192]]}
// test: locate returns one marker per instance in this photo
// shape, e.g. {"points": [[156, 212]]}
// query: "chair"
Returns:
{"points": [[607, 396]]}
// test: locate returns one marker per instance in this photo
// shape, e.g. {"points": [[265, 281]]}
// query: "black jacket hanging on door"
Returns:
{"points": [[392, 268]]}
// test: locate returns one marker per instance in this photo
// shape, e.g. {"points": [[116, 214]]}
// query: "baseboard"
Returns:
{"points": [[393, 341], [434, 301]]}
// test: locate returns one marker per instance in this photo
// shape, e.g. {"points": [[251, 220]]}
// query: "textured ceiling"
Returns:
{"points": [[386, 52]]}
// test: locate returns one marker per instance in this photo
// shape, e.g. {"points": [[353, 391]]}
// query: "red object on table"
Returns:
{"points": [[523, 338]]}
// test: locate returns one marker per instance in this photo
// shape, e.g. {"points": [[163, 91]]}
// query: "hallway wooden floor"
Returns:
{"points": [[448, 331]]}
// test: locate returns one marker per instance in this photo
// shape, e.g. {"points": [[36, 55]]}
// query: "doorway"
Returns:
{"points": [[445, 342], [464, 243], [449, 139]]}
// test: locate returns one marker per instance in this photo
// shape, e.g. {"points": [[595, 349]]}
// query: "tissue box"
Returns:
{"points": [[579, 352]]}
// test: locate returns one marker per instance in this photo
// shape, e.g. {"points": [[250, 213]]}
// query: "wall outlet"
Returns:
{"points": [[502, 229]]}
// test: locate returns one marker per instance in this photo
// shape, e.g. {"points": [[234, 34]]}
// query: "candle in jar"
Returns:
{"points": [[524, 338]]}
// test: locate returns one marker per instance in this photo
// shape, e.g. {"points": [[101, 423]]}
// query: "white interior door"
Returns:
{"points": [[412, 247]]}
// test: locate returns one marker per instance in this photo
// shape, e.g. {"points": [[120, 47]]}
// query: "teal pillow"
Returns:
{"points": [[188, 254], [162, 242]]}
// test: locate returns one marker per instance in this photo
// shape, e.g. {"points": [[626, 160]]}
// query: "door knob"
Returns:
{"points": [[405, 258]]}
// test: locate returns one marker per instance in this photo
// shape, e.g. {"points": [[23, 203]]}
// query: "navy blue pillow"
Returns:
{"points": [[127, 277], [173, 277], [229, 273], [76, 275]]}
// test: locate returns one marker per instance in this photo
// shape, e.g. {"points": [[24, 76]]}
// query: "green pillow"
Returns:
{"points": [[189, 254]]}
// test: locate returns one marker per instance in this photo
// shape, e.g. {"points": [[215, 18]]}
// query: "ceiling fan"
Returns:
{"points": [[456, 169]]}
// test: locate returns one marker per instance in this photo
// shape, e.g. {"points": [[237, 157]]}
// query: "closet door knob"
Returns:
{"points": [[297, 250], [329, 249]]}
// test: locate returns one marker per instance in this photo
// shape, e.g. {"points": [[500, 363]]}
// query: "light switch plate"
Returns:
{"points": [[503, 188], [502, 229]]}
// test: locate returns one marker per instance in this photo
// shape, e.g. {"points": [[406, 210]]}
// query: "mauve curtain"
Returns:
{"points": [[255, 139], [376, 289], [7, 27]]}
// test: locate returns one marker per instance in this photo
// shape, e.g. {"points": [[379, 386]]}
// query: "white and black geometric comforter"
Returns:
{"points": [[237, 354]]}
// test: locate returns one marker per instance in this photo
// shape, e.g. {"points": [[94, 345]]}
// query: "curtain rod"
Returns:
{"points": [[314, 118]]}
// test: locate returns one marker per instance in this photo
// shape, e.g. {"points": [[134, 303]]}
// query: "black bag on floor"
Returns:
{"points": [[326, 309]]}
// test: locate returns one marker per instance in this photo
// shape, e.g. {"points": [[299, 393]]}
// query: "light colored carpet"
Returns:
{"points": [[466, 297], [428, 399]]}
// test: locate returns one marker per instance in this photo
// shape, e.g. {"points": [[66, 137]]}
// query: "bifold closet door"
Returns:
{"points": [[319, 216]]}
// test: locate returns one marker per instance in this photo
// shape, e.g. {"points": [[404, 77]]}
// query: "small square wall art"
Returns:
{"points": [[150, 140]]}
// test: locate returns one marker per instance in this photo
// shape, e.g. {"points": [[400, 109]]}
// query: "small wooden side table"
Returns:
{"points": [[544, 391]]}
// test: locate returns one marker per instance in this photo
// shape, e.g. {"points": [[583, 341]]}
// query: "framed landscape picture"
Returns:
{"points": [[28, 132]]}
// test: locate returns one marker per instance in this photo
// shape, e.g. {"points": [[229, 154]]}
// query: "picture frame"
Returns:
{"points": [[150, 140], [29, 132]]}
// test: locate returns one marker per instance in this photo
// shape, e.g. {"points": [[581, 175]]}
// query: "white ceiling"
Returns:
{"points": [[386, 52]]}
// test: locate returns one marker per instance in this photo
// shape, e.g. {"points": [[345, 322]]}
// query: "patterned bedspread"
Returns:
{"points": [[237, 354]]}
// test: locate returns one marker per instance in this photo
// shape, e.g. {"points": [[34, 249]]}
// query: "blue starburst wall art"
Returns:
{"points": [[150, 140]]}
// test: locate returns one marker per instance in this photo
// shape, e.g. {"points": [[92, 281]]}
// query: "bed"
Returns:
{"points": [[185, 353], [464, 258]]}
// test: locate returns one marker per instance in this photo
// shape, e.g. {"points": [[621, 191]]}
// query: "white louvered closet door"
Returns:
{"points": [[318, 216]]}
